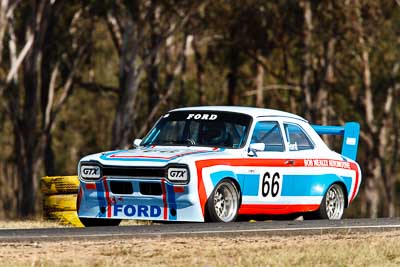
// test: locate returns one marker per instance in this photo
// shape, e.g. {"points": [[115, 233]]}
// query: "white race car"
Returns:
{"points": [[215, 163]]}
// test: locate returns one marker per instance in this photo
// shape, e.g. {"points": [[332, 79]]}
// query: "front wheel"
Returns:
{"points": [[89, 222], [332, 205], [223, 203]]}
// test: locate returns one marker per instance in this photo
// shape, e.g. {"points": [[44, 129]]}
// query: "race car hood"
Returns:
{"points": [[150, 156]]}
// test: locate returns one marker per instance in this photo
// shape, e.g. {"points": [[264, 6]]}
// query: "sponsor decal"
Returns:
{"points": [[209, 117], [137, 211], [327, 163]]}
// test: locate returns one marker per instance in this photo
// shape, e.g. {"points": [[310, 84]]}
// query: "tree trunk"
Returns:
{"points": [[152, 67], [307, 59], [374, 168], [128, 83], [4, 4], [28, 158], [260, 85], [199, 73], [233, 76], [49, 159]]}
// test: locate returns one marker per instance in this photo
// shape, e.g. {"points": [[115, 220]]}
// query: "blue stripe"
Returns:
{"points": [[311, 185], [248, 182], [171, 201], [251, 184], [101, 198], [216, 177]]}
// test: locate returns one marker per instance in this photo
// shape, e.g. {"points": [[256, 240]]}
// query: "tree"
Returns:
{"points": [[140, 30], [40, 87]]}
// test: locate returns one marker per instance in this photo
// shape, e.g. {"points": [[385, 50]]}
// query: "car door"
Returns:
{"points": [[303, 184], [263, 190]]}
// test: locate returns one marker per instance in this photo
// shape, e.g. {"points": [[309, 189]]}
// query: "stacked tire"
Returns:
{"points": [[59, 199]]}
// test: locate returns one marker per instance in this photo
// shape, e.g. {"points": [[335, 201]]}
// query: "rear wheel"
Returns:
{"points": [[89, 222], [223, 203], [332, 206]]}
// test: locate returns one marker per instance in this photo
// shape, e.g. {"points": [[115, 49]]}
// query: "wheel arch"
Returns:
{"points": [[230, 174], [208, 210]]}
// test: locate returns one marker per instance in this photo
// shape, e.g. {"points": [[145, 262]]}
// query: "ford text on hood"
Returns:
{"points": [[217, 163]]}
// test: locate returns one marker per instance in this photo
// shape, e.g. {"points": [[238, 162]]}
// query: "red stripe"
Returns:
{"points": [[276, 209], [200, 184], [158, 157], [257, 162], [164, 199], [261, 163], [107, 197], [79, 198], [353, 195], [179, 189], [91, 186]]}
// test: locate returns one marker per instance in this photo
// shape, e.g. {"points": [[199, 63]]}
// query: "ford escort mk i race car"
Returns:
{"points": [[215, 163]]}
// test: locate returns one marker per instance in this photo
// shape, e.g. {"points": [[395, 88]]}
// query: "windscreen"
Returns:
{"points": [[200, 128]]}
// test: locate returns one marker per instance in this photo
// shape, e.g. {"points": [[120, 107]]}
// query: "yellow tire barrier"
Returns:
{"points": [[59, 199], [51, 185], [65, 218], [60, 202]]}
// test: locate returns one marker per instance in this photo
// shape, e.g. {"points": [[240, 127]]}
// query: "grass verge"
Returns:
{"points": [[371, 249]]}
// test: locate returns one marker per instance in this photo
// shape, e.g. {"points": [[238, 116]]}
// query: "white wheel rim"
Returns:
{"points": [[334, 202], [225, 202]]}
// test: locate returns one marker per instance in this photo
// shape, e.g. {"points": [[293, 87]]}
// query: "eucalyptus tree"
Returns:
{"points": [[45, 51]]}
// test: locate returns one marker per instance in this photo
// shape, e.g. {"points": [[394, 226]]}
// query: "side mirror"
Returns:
{"points": [[257, 147], [253, 148], [136, 143]]}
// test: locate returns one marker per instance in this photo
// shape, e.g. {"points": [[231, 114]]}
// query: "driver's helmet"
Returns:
{"points": [[213, 133]]}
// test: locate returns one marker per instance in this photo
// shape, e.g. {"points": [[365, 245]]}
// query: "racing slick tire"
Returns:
{"points": [[332, 205], [90, 222], [51, 185], [223, 203], [65, 202]]}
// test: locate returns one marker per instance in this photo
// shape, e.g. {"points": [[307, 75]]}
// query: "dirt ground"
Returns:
{"points": [[372, 249]]}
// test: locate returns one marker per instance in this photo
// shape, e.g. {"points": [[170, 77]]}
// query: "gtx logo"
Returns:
{"points": [[90, 171], [177, 174]]}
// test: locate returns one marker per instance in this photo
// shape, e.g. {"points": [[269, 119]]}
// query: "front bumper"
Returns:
{"points": [[173, 203]]}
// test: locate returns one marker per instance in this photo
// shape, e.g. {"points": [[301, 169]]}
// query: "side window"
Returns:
{"points": [[269, 133], [297, 139]]}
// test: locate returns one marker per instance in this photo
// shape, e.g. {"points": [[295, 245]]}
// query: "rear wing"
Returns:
{"points": [[350, 132]]}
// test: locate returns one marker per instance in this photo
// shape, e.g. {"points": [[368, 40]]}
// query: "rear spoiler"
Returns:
{"points": [[350, 132]]}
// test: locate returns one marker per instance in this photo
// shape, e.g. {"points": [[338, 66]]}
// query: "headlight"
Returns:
{"points": [[90, 172], [176, 174]]}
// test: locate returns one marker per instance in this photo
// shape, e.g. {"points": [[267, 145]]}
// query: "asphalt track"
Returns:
{"points": [[269, 228]]}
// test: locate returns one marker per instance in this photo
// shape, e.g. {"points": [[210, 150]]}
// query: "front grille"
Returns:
{"points": [[122, 188], [134, 172], [150, 189]]}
